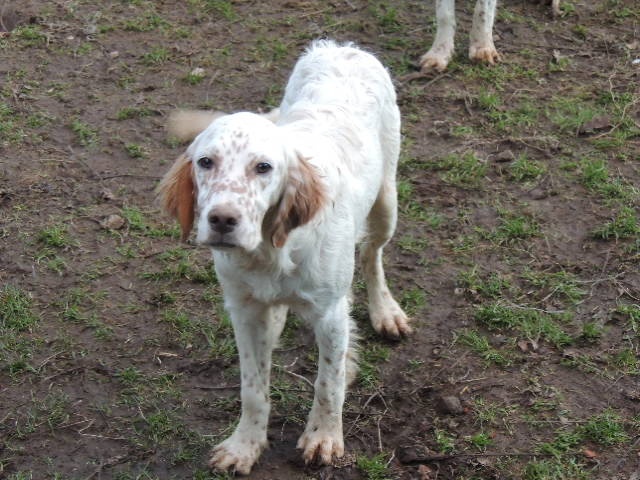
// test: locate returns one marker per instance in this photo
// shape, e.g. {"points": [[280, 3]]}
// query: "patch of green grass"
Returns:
{"points": [[480, 345], [412, 209], [178, 263], [481, 440], [592, 331], [524, 115], [626, 360], [623, 225], [51, 411], [533, 324], [138, 222], [10, 130], [571, 113], [413, 245], [224, 8], [488, 413], [445, 442], [555, 469], [145, 23], [286, 397], [126, 113], [522, 169], [606, 428], [632, 313], [413, 300], [514, 228], [216, 336], [491, 286], [86, 135], [465, 171], [29, 35], [135, 151], [368, 371], [16, 310], [561, 285], [374, 468], [596, 177], [79, 305], [157, 56], [16, 318], [55, 236], [387, 17], [564, 441]]}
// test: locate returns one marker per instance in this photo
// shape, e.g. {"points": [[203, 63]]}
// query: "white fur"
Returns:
{"points": [[339, 123]]}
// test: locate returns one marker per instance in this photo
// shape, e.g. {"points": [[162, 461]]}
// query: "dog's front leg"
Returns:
{"points": [[322, 438], [256, 329]]}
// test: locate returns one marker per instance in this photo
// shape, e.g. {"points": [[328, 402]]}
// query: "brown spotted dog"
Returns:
{"points": [[283, 200]]}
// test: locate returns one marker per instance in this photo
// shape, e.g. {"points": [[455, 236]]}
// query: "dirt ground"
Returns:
{"points": [[516, 254]]}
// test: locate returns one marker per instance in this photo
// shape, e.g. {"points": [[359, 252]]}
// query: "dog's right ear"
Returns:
{"points": [[177, 192]]}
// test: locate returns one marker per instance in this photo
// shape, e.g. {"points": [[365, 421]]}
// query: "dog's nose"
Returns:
{"points": [[223, 221]]}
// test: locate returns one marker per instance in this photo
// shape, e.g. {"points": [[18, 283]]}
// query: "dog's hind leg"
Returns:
{"points": [[387, 318]]}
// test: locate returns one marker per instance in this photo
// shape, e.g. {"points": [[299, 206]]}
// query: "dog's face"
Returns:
{"points": [[242, 183]]}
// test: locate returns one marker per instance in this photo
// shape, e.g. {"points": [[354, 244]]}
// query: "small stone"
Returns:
{"points": [[106, 194], [504, 156], [449, 404], [114, 54], [197, 72], [413, 454], [113, 222]]}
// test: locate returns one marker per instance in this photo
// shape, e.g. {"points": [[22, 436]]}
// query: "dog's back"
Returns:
{"points": [[341, 76]]}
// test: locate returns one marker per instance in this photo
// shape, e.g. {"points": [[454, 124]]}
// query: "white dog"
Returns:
{"points": [[283, 203], [481, 47]]}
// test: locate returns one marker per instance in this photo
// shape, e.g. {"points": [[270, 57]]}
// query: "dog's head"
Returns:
{"points": [[240, 182]]}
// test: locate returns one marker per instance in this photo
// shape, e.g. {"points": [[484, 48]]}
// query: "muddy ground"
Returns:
{"points": [[516, 253]]}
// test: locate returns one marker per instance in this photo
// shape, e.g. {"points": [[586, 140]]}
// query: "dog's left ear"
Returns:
{"points": [[177, 192], [302, 198]]}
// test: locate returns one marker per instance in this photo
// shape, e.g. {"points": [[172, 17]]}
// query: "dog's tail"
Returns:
{"points": [[185, 125]]}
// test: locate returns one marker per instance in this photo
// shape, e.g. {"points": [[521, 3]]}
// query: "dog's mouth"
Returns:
{"points": [[218, 241], [221, 244]]}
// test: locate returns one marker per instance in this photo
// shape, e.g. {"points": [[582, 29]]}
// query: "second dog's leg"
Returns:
{"points": [[257, 329], [438, 56], [481, 47]]}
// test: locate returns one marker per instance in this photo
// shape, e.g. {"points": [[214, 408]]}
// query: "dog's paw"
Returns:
{"points": [[390, 321], [236, 454], [321, 446], [435, 59], [484, 53]]}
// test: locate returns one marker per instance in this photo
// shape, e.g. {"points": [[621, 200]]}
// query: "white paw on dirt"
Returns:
{"points": [[484, 53], [435, 59], [321, 446], [390, 321], [236, 454]]}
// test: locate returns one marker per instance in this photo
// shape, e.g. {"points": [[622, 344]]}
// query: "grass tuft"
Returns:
{"points": [[16, 310]]}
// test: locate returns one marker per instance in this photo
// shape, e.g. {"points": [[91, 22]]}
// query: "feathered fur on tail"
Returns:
{"points": [[185, 125]]}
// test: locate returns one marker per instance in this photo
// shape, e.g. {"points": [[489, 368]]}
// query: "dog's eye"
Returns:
{"points": [[205, 162], [263, 167]]}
